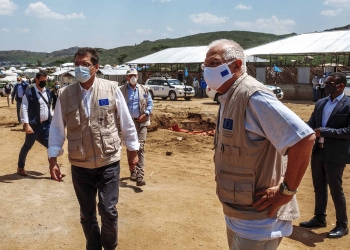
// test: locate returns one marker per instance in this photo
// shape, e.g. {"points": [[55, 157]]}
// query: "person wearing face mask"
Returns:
{"points": [[86, 113], [262, 150], [36, 117], [18, 92], [331, 123], [315, 87], [322, 85], [140, 106], [54, 94], [203, 87]]}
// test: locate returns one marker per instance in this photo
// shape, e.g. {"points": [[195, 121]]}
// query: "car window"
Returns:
{"points": [[348, 82], [150, 82], [174, 82]]}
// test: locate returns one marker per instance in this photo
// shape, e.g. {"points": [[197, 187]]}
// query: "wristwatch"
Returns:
{"points": [[284, 190]]}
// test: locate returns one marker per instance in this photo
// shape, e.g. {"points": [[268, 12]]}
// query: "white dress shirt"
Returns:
{"points": [[57, 129], [44, 110]]}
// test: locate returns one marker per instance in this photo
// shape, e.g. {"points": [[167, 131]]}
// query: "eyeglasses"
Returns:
{"points": [[216, 63], [85, 64]]}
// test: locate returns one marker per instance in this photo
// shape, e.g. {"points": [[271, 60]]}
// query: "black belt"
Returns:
{"points": [[320, 145]]}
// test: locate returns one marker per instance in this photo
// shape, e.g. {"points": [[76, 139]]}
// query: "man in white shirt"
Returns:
{"points": [[89, 110], [36, 117]]}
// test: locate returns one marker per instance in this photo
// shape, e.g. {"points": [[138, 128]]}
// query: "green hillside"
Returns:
{"points": [[126, 53]]}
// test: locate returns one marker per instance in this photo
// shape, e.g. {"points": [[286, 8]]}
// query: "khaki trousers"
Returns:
{"points": [[142, 134], [238, 243]]}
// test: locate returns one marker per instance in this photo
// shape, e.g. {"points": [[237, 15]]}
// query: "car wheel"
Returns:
{"points": [[151, 93], [164, 98], [172, 95], [217, 98], [188, 98]]}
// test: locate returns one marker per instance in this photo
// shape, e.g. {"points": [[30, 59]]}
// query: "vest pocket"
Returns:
{"points": [[236, 187], [73, 117], [75, 150], [109, 144]]}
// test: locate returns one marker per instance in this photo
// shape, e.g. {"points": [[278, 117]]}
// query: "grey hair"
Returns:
{"points": [[232, 51]]}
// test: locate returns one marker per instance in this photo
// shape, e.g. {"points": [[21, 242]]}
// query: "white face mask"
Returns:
{"points": [[217, 76], [82, 73], [133, 80]]}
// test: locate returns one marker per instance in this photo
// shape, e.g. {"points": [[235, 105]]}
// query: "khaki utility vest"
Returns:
{"points": [[243, 166], [93, 141], [143, 96]]}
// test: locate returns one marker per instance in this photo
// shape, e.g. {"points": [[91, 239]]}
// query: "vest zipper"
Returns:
{"points": [[235, 174], [92, 139]]}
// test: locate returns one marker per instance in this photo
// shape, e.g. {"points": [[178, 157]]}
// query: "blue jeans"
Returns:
{"points": [[18, 106], [41, 134], [104, 182]]}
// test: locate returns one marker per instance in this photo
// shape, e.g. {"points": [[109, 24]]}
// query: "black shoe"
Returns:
{"points": [[140, 181], [338, 232], [314, 222]]}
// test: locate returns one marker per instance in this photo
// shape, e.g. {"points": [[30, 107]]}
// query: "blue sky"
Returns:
{"points": [[59, 24]]}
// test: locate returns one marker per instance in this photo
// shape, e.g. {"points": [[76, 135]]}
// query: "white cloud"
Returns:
{"points": [[165, 34], [4, 30], [207, 19], [330, 13], [162, 1], [270, 25], [169, 29], [243, 7], [144, 31], [192, 32], [7, 7], [337, 3], [24, 30], [39, 9]]}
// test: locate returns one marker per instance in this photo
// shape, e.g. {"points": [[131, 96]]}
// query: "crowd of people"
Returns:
{"points": [[262, 149]]}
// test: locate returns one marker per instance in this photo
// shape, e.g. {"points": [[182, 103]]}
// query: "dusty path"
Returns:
{"points": [[177, 209]]}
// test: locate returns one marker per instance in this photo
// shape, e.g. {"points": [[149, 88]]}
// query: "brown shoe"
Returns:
{"points": [[21, 171], [140, 181]]}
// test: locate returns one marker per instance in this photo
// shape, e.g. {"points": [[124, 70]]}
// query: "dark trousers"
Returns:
{"points": [[18, 106], [103, 181], [41, 134], [323, 173]]}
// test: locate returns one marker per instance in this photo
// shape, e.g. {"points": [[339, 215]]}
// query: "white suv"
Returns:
{"points": [[166, 87], [215, 95]]}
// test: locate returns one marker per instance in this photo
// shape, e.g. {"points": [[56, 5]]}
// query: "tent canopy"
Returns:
{"points": [[181, 55], [312, 43]]}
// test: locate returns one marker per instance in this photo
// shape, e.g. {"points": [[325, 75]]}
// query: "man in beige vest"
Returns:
{"points": [[89, 110], [255, 135], [140, 106]]}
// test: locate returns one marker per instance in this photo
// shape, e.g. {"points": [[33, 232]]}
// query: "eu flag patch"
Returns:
{"points": [[228, 124], [144, 95], [224, 73], [103, 102]]}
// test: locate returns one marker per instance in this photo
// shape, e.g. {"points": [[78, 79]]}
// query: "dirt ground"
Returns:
{"points": [[177, 209]]}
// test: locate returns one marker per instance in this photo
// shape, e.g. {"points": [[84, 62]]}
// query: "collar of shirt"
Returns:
{"points": [[337, 99], [131, 87], [37, 90], [86, 90]]}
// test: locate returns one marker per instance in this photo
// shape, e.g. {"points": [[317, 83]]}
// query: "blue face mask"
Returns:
{"points": [[82, 73]]}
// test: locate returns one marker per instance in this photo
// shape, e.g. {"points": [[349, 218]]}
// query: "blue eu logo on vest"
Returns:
{"points": [[228, 124], [224, 73], [103, 102]]}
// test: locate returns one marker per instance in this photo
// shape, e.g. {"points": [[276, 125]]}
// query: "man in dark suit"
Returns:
{"points": [[18, 92], [331, 122]]}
